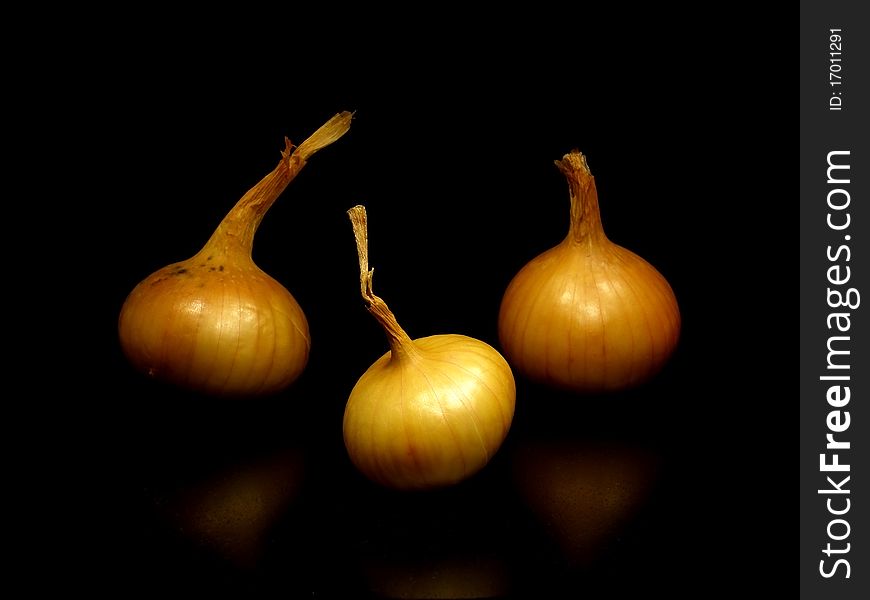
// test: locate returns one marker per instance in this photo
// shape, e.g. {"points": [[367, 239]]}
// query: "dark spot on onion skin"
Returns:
{"points": [[221, 268], [210, 257], [212, 269], [180, 271]]}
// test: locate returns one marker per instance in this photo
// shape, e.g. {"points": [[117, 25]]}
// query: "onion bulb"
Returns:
{"points": [[216, 323], [588, 315], [431, 411]]}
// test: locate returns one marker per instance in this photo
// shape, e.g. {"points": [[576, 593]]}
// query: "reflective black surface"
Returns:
{"points": [[656, 489]]}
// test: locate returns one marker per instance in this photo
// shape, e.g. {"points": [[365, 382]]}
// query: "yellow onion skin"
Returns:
{"points": [[430, 415], [588, 315], [215, 324], [431, 411]]}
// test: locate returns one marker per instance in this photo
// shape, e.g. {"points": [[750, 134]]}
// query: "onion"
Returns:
{"points": [[588, 315], [216, 323], [431, 411]]}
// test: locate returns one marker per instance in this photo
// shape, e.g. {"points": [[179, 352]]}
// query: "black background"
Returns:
{"points": [[451, 150]]}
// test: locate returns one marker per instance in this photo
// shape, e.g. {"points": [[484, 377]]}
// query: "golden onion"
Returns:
{"points": [[431, 411], [588, 315], [216, 323]]}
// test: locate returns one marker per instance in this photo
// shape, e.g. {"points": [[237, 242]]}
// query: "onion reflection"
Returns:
{"points": [[584, 493], [232, 512]]}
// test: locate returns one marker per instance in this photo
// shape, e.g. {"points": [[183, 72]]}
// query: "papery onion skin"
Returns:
{"points": [[216, 323], [432, 418], [588, 315], [430, 412]]}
